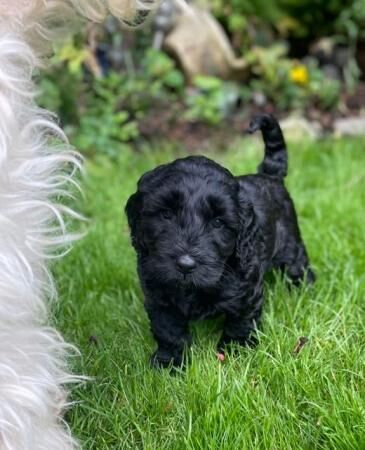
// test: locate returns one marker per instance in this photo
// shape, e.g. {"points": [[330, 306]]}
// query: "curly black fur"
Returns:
{"points": [[204, 240]]}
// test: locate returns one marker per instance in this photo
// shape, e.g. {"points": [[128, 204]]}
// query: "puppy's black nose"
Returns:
{"points": [[185, 264]]}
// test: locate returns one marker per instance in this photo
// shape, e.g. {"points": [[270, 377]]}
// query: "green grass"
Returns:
{"points": [[259, 399]]}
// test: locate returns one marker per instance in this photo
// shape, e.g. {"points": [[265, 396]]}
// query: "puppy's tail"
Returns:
{"points": [[275, 162]]}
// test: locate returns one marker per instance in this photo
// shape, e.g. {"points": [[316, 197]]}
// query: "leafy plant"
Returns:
{"points": [[252, 20], [290, 84], [105, 133], [322, 90], [351, 20], [105, 113], [162, 69], [73, 55], [237, 13], [104, 125], [211, 101]]}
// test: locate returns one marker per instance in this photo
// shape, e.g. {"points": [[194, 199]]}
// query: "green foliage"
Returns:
{"points": [[324, 91], [237, 13], [211, 101], [104, 133], [250, 22], [102, 114], [73, 55], [60, 91], [351, 20], [50, 96], [306, 19], [315, 18], [162, 69], [278, 78], [205, 103], [104, 125]]}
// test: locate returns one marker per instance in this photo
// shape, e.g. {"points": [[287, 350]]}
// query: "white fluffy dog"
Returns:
{"points": [[34, 175]]}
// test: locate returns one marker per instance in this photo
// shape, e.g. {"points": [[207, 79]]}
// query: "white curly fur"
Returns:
{"points": [[36, 169]]}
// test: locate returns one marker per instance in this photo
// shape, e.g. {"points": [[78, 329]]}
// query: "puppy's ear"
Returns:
{"points": [[247, 234], [133, 210]]}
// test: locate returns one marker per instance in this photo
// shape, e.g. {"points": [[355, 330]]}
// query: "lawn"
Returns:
{"points": [[268, 398]]}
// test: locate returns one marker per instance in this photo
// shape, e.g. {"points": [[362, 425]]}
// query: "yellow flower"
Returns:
{"points": [[299, 74]]}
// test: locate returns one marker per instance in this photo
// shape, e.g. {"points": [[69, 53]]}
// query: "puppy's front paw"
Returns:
{"points": [[164, 359]]}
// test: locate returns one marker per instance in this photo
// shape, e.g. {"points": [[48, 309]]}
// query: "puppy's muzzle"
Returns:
{"points": [[186, 264]]}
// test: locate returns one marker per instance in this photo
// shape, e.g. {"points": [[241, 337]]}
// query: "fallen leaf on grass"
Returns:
{"points": [[299, 345]]}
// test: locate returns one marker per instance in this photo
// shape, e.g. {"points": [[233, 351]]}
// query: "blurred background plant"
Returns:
{"points": [[112, 87]]}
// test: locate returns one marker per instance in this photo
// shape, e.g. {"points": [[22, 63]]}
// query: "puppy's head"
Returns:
{"points": [[184, 221]]}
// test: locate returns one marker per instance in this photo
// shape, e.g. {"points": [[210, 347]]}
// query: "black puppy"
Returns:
{"points": [[204, 240]]}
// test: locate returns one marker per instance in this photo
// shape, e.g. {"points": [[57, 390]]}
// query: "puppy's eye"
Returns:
{"points": [[167, 214], [217, 223]]}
